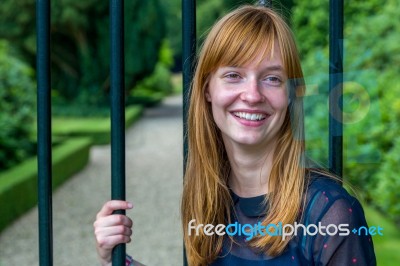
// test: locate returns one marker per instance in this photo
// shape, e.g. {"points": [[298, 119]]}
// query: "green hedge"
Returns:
{"points": [[18, 185], [74, 136], [96, 128]]}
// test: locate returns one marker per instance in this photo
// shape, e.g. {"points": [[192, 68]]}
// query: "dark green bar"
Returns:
{"points": [[336, 86], [188, 59], [117, 114], [44, 133]]}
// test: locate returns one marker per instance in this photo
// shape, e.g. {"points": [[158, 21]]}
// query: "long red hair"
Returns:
{"points": [[235, 40]]}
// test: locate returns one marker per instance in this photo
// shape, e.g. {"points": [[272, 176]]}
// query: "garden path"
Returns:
{"points": [[153, 184]]}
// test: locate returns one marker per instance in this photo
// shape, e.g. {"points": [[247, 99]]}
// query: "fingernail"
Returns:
{"points": [[130, 205]]}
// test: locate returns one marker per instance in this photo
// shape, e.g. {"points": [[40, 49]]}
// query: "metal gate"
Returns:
{"points": [[117, 106]]}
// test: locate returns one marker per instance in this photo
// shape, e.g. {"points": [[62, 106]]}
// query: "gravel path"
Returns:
{"points": [[154, 184]]}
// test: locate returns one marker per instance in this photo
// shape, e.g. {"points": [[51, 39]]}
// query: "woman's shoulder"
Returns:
{"points": [[325, 196], [329, 205], [326, 186]]}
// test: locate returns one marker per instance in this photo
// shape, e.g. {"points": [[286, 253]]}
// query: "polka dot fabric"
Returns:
{"points": [[327, 202]]}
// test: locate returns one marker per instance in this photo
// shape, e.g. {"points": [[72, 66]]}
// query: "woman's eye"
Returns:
{"points": [[273, 80], [232, 76]]}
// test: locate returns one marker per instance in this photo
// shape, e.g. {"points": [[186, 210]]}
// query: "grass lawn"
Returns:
{"points": [[82, 124], [98, 128], [68, 124], [387, 247]]}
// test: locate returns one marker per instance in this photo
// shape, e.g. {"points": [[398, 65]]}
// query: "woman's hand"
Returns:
{"points": [[111, 229]]}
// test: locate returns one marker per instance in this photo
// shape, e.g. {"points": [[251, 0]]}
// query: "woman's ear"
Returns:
{"points": [[207, 93], [208, 96], [207, 90]]}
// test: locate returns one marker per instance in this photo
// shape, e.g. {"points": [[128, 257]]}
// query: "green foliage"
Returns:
{"points": [[159, 81], [310, 20], [80, 43], [17, 108], [153, 88], [371, 103], [388, 183], [18, 185], [386, 246], [208, 12], [173, 11]]}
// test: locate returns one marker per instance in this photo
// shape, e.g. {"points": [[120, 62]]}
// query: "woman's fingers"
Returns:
{"points": [[113, 230], [108, 237], [110, 206], [108, 243], [111, 220]]}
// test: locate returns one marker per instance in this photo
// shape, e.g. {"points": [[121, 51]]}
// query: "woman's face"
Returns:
{"points": [[249, 102]]}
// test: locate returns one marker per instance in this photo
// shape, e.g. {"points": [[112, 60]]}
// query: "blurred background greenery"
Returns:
{"points": [[80, 80]]}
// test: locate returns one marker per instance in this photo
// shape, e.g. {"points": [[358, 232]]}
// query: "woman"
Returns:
{"points": [[246, 169]]}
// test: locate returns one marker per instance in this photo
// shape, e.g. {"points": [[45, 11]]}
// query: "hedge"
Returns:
{"points": [[18, 185], [96, 128]]}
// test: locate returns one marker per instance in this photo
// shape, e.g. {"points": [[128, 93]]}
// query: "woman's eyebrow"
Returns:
{"points": [[275, 68], [271, 68]]}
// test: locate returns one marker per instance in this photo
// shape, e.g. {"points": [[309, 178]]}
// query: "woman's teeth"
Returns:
{"points": [[251, 117]]}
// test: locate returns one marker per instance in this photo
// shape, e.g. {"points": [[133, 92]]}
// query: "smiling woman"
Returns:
{"points": [[246, 161], [246, 164]]}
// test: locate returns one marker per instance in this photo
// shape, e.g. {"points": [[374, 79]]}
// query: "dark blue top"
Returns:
{"points": [[327, 202]]}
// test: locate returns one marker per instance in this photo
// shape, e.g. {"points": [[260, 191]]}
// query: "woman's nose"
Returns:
{"points": [[252, 93]]}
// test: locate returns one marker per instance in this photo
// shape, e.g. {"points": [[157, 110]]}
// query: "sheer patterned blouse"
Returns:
{"points": [[327, 203]]}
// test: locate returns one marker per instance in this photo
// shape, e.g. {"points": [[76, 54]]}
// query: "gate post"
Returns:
{"points": [[44, 133], [188, 60], [117, 114], [188, 64], [336, 87]]}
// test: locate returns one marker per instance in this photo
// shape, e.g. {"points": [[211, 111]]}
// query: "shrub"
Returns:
{"points": [[388, 183], [371, 55], [153, 88], [17, 108]]}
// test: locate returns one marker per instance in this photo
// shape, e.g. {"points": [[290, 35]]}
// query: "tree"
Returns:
{"points": [[17, 103], [310, 20], [80, 42]]}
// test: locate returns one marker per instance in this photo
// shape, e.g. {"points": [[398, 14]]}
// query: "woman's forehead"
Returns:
{"points": [[260, 56]]}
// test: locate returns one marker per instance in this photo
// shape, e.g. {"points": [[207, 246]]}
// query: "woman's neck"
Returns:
{"points": [[250, 169]]}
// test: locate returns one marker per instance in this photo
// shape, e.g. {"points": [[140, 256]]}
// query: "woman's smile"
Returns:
{"points": [[250, 118]]}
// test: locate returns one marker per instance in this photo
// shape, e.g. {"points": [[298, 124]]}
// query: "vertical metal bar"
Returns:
{"points": [[189, 55], [44, 133], [336, 86], [117, 114]]}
